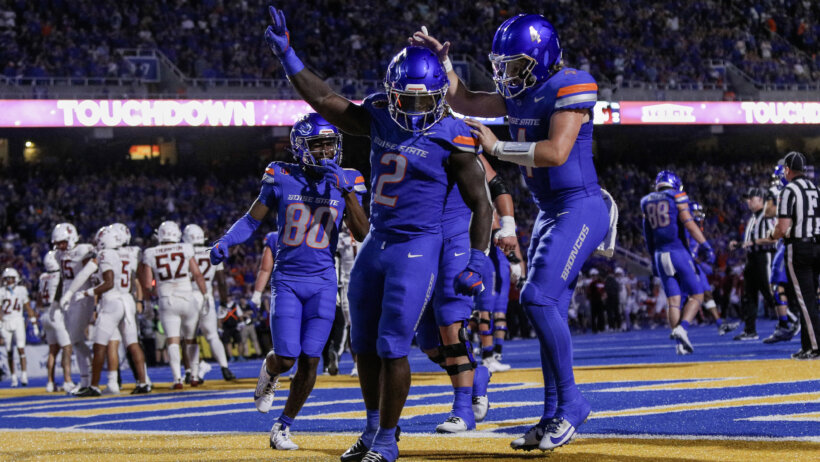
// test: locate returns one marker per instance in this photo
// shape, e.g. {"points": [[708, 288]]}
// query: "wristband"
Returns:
{"points": [[448, 65], [515, 152], [292, 64], [507, 226]]}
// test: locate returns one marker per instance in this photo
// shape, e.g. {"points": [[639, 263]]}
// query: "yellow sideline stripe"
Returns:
{"points": [[141, 408], [87, 446]]}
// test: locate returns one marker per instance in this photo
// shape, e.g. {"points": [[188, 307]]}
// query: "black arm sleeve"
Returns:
{"points": [[498, 187]]}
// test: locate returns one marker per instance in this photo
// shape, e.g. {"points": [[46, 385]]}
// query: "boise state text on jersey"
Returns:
{"points": [[529, 117], [309, 214], [408, 177]]}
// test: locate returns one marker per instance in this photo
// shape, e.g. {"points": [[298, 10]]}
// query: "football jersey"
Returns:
{"points": [[309, 213], [12, 302], [660, 214], [270, 242], [130, 257], [456, 217], [71, 262], [109, 259], [408, 179], [47, 288], [529, 118], [347, 253], [169, 263], [202, 256]]}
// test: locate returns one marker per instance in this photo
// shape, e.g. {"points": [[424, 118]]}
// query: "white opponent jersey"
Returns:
{"points": [[203, 260], [71, 262], [47, 288], [109, 259], [346, 249], [169, 263], [130, 258], [12, 302]]}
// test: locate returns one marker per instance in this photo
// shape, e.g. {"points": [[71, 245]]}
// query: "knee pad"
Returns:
{"points": [[710, 304], [456, 369], [780, 298], [489, 326], [462, 348], [496, 327], [438, 358]]}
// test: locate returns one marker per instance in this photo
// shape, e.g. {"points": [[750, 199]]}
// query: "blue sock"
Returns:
{"points": [[285, 420], [550, 390], [463, 405], [685, 325], [385, 443], [371, 428], [719, 322], [480, 381], [499, 345], [486, 351]]}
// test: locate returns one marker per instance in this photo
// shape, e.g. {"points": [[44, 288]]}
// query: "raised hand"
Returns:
{"points": [[423, 39], [277, 35], [336, 175]]}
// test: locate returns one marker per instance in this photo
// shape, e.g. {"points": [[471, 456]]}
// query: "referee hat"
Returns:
{"points": [[795, 161], [754, 192]]}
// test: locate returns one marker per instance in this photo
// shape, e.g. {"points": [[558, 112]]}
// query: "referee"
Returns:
{"points": [[757, 272], [797, 218]]}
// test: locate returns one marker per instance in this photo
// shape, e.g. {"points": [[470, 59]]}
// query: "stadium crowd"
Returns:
{"points": [[640, 40]]}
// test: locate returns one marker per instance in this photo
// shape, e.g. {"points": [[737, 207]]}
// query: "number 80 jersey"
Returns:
{"points": [[660, 213], [309, 213]]}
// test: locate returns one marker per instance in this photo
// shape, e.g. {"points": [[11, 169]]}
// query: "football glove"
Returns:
{"points": [[65, 300], [336, 175], [256, 298], [515, 272], [278, 39], [469, 281], [207, 302], [705, 253], [219, 252]]}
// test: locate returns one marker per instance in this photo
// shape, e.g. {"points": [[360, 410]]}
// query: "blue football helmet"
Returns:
{"points": [[525, 52], [309, 129], [779, 176], [667, 179], [697, 211], [416, 83]]}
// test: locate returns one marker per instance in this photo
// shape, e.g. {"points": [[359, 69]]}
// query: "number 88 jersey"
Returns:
{"points": [[660, 214], [309, 214]]}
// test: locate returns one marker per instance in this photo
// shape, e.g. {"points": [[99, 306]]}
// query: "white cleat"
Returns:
{"points": [[494, 366], [68, 387], [355, 371], [679, 333], [204, 368], [280, 439], [453, 424], [530, 440], [679, 349], [559, 433], [266, 386], [113, 388], [481, 404], [50, 387], [24, 379], [14, 382]]}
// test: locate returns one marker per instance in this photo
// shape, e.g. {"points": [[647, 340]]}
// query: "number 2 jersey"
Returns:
{"points": [[208, 270], [529, 117], [169, 263], [662, 229], [309, 213], [408, 172]]}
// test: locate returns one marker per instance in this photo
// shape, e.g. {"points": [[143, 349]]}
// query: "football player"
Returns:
{"points": [[666, 218], [550, 110], [114, 312], [311, 198], [13, 300], [173, 265], [704, 270], [73, 257], [265, 267], [194, 235], [54, 322], [415, 143]]}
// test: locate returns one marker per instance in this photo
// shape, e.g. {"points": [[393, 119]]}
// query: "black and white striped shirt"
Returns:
{"points": [[798, 201], [759, 227]]}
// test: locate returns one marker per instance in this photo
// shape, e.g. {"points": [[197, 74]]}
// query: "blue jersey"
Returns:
{"points": [[662, 229], [456, 217], [408, 177], [309, 214], [529, 117], [270, 242]]}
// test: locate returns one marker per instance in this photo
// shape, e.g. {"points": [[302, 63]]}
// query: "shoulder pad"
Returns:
{"points": [[574, 89]]}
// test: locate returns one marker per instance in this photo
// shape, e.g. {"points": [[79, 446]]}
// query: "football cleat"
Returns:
{"points": [[68, 386], [50, 387], [142, 389], [333, 367], [680, 334], [530, 440], [14, 382], [177, 385], [355, 371], [88, 392], [266, 386], [280, 438], [112, 389], [195, 382], [746, 336], [357, 452], [453, 424], [227, 374], [781, 334], [204, 368], [374, 456], [24, 379], [481, 404], [807, 354], [493, 365], [681, 350], [187, 379], [558, 433], [727, 327]]}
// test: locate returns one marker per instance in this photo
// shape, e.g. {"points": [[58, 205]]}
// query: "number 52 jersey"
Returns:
{"points": [[169, 263], [309, 215]]}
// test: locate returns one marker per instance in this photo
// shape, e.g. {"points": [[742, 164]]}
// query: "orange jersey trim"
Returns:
{"points": [[581, 87], [461, 139]]}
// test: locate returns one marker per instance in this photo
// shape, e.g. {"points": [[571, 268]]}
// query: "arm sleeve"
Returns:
{"points": [[269, 194]]}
